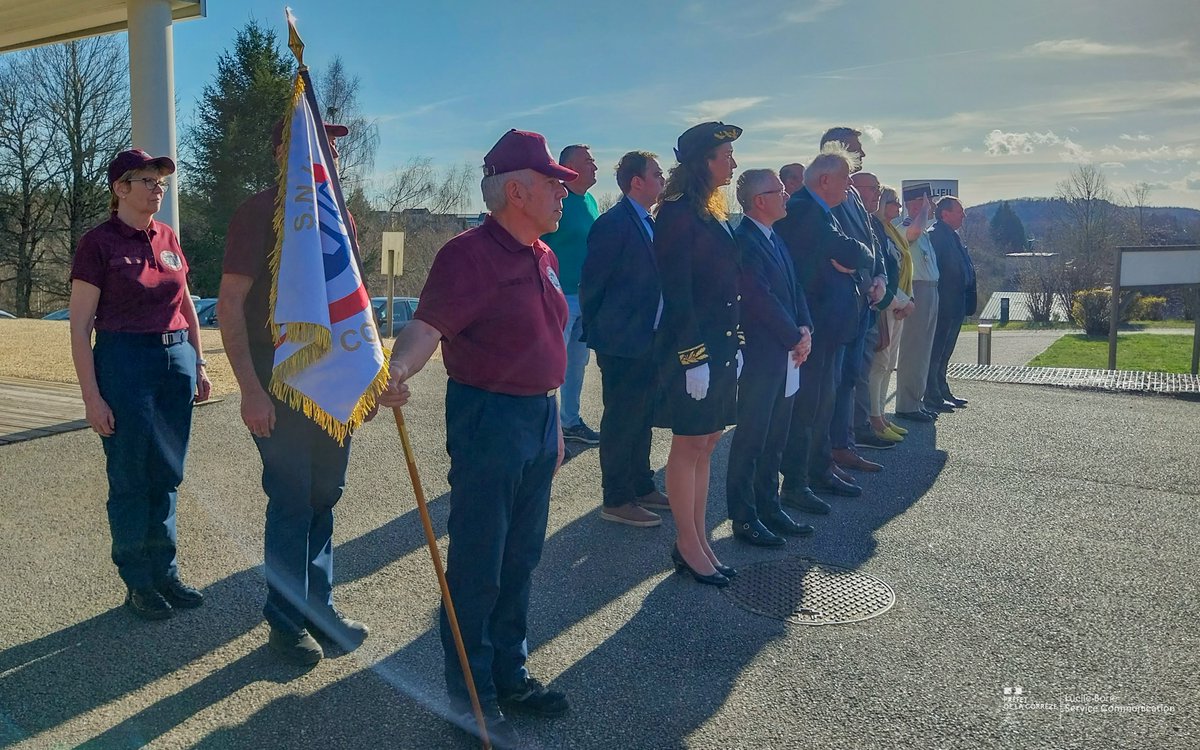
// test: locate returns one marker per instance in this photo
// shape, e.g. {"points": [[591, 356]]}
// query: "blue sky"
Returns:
{"points": [[1005, 97]]}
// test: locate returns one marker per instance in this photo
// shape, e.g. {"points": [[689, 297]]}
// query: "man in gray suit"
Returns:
{"points": [[620, 302]]}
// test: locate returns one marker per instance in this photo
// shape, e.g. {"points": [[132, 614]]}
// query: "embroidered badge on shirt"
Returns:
{"points": [[553, 278], [171, 260]]}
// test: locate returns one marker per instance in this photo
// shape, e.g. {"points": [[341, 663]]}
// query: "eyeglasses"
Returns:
{"points": [[781, 191], [150, 183]]}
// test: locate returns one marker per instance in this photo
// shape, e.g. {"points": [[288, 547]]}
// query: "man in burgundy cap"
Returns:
{"points": [[494, 302], [304, 469]]}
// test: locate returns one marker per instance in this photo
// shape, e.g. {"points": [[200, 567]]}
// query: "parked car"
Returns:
{"points": [[8, 315], [206, 312], [404, 308], [63, 314]]}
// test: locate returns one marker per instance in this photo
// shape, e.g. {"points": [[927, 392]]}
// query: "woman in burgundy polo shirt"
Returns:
{"points": [[698, 337], [129, 284]]}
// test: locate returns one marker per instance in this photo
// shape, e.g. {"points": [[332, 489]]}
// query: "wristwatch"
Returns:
{"points": [[201, 362]]}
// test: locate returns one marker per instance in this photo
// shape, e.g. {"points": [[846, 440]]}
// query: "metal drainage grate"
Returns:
{"points": [[806, 592]]}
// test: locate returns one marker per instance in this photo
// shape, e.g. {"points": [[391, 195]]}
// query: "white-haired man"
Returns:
{"points": [[494, 302]]}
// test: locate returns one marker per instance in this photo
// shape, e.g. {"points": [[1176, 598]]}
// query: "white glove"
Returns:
{"points": [[696, 381], [740, 362]]}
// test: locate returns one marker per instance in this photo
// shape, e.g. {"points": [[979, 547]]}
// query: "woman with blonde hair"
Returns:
{"points": [[129, 285], [698, 339], [895, 306]]}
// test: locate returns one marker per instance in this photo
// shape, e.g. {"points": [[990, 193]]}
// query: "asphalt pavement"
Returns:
{"points": [[1040, 542]]}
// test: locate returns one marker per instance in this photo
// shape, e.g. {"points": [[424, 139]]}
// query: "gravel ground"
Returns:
{"points": [[1039, 539]]}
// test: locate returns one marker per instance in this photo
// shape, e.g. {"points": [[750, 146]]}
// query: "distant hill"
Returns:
{"points": [[1037, 214]]}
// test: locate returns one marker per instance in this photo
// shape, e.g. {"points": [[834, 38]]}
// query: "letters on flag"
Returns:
{"points": [[329, 360]]}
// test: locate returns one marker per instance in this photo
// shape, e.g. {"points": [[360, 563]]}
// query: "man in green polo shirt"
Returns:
{"points": [[569, 244]]}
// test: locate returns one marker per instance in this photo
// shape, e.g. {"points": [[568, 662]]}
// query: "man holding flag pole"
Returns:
{"points": [[494, 303], [301, 338]]}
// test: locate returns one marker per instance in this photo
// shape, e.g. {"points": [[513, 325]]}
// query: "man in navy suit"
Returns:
{"points": [[778, 331], [620, 302], [826, 260]]}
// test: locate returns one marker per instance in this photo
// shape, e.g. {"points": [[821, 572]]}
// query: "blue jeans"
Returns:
{"points": [[577, 359], [304, 473], [149, 388], [502, 455]]}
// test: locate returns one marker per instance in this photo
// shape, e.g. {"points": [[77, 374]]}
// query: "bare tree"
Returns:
{"points": [[83, 87], [338, 93], [605, 201], [1087, 227], [418, 184], [29, 194], [1137, 196]]}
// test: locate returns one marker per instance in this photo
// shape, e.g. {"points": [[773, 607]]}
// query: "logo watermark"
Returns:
{"points": [[1016, 698]]}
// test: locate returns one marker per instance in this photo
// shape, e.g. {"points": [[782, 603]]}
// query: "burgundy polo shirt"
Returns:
{"points": [[501, 312], [248, 245], [141, 274]]}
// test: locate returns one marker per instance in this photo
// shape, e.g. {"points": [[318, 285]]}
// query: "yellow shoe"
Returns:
{"points": [[890, 436], [896, 429]]}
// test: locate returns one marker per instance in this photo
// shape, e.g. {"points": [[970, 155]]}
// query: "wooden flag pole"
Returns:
{"points": [[431, 540]]}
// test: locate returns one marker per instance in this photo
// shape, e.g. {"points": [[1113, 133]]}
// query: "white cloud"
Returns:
{"points": [[1161, 153], [967, 149], [1193, 183], [1138, 137], [812, 12], [1158, 186], [872, 132], [718, 109], [1081, 48], [999, 143], [1072, 151], [1112, 165]]}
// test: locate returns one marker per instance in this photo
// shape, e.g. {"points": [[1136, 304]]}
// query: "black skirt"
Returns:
{"points": [[683, 415]]}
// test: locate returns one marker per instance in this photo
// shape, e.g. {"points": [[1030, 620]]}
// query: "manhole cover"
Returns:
{"points": [[807, 592]]}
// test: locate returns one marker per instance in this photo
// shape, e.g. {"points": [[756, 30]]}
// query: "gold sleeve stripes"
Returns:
{"points": [[693, 356]]}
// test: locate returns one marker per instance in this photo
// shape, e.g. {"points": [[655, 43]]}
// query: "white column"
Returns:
{"points": [[152, 89]]}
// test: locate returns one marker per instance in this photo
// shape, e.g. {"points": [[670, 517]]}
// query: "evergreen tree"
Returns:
{"points": [[1006, 229], [230, 145]]}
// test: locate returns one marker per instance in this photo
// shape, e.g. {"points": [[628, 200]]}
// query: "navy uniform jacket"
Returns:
{"points": [[954, 263], [773, 306], [618, 289], [698, 269], [814, 238]]}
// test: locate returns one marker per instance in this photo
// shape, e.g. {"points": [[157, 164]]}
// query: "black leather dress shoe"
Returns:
{"points": [[835, 486], [958, 402], [914, 416], [179, 594], [148, 604], [783, 524], [805, 501], [753, 532], [943, 407], [932, 414]]}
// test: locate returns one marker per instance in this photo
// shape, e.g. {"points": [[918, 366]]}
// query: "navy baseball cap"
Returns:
{"points": [[135, 158], [521, 149], [700, 138]]}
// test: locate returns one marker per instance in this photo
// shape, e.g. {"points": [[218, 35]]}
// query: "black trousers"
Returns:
{"points": [[945, 338], [764, 416], [806, 455], [628, 387]]}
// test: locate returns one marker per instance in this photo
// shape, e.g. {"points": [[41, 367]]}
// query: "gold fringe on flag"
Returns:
{"points": [[315, 340]]}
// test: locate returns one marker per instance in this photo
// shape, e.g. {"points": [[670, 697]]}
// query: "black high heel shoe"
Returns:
{"points": [[681, 566], [677, 558]]}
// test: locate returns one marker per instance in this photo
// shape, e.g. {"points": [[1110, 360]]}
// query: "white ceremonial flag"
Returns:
{"points": [[329, 361]]}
